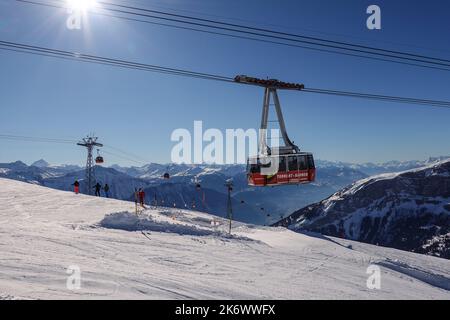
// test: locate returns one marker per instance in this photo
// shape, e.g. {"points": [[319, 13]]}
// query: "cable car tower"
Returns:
{"points": [[90, 143], [271, 86], [295, 167]]}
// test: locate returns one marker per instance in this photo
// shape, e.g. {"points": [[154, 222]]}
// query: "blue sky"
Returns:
{"points": [[137, 111]]}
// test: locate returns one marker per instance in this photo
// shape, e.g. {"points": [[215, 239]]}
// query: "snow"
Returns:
{"points": [[8, 297], [131, 222], [430, 170], [363, 183], [41, 164], [179, 254]]}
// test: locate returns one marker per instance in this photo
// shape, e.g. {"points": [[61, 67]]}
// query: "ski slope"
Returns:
{"points": [[178, 254]]}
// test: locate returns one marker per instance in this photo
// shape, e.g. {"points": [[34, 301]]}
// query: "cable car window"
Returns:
{"points": [[282, 164], [253, 165], [311, 164], [254, 168], [302, 164], [265, 163], [264, 166], [292, 163]]}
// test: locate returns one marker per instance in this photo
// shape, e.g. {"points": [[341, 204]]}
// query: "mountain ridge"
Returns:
{"points": [[409, 210]]}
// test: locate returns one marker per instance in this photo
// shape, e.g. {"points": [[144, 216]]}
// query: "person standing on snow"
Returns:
{"points": [[106, 188], [136, 196], [76, 187], [97, 188], [141, 197]]}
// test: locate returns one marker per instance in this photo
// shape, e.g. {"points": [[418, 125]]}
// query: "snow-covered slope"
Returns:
{"points": [[408, 210], [181, 255]]}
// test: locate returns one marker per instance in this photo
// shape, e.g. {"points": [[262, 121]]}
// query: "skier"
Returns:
{"points": [[76, 187], [97, 188], [106, 188], [141, 197]]}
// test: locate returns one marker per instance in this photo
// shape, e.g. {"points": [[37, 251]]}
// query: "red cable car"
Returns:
{"points": [[99, 159], [295, 168], [279, 165]]}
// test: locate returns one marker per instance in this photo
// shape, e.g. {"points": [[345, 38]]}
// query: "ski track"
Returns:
{"points": [[422, 275], [44, 231]]}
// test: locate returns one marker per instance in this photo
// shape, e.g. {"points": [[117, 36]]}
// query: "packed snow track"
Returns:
{"points": [[165, 253]]}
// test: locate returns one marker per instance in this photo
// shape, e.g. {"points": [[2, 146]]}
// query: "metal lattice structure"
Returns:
{"points": [[271, 86], [89, 143]]}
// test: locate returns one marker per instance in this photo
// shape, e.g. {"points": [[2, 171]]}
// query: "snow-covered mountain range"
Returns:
{"points": [[371, 169], [254, 205], [408, 210], [168, 253]]}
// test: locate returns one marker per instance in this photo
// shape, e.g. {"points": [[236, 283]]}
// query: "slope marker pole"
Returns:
{"points": [[229, 185]]}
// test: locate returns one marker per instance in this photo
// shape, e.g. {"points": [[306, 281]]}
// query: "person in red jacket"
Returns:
{"points": [[76, 187], [141, 197]]}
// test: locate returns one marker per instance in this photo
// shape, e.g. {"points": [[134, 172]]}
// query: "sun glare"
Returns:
{"points": [[81, 5]]}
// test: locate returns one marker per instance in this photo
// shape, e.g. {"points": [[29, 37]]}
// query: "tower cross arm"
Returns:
{"points": [[268, 83]]}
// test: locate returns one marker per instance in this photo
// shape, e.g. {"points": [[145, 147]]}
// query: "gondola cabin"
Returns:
{"points": [[296, 168], [99, 160]]}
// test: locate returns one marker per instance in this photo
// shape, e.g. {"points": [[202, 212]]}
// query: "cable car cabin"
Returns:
{"points": [[296, 168], [99, 160]]}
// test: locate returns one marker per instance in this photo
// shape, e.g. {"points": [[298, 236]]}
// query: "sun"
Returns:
{"points": [[81, 5]]}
